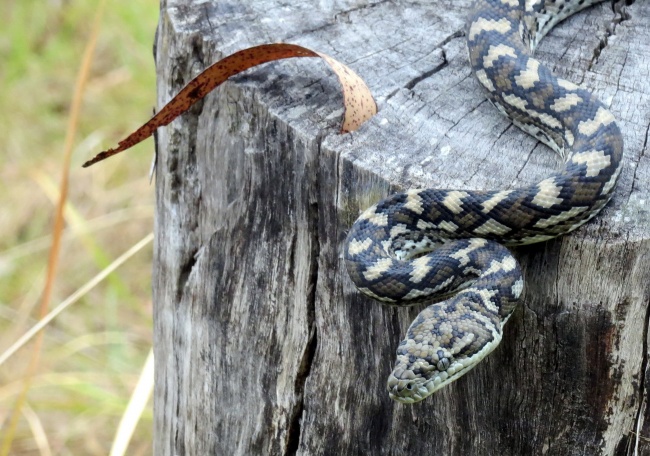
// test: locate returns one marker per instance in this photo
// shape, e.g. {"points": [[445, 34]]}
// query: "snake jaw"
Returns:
{"points": [[407, 387], [416, 377]]}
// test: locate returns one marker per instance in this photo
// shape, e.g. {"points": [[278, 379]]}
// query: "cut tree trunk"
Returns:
{"points": [[263, 345]]}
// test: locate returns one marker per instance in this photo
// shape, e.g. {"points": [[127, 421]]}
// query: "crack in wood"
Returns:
{"points": [[293, 431], [621, 15], [416, 80], [304, 369], [344, 14]]}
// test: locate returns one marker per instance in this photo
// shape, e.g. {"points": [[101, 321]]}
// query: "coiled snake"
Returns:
{"points": [[431, 244]]}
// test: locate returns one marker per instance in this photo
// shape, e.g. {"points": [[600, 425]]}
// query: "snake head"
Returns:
{"points": [[416, 377], [440, 347]]}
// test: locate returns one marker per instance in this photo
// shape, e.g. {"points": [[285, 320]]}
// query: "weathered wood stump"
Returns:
{"points": [[262, 344]]}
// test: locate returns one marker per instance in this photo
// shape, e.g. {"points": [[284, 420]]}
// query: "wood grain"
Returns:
{"points": [[262, 344]]}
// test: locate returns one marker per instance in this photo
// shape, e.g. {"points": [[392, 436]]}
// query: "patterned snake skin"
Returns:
{"points": [[429, 245]]}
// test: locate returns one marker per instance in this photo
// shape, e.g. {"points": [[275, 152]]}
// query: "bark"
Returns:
{"points": [[262, 344]]}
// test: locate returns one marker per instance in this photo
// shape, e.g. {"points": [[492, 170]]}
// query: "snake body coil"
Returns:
{"points": [[430, 244]]}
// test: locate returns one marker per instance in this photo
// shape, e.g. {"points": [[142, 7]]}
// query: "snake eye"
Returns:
{"points": [[443, 364]]}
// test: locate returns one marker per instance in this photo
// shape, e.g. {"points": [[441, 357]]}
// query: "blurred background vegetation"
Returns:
{"points": [[93, 353]]}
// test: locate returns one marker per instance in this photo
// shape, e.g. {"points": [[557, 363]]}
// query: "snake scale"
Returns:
{"points": [[449, 245]]}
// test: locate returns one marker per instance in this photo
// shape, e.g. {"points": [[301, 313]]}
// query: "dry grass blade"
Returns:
{"points": [[358, 101], [133, 412], [74, 298], [57, 229], [91, 226], [40, 437]]}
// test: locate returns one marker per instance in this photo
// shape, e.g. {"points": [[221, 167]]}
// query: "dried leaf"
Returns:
{"points": [[359, 104]]}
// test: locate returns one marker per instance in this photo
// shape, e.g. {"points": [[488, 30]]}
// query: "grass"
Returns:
{"points": [[93, 353]]}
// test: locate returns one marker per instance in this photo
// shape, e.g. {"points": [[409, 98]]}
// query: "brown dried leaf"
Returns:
{"points": [[359, 104]]}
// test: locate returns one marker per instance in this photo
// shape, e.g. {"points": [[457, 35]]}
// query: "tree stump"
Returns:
{"points": [[263, 345]]}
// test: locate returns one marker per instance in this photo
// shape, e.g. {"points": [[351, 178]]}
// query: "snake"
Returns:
{"points": [[449, 248]]}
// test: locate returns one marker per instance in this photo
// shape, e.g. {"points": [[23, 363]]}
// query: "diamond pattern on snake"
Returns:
{"points": [[450, 246]]}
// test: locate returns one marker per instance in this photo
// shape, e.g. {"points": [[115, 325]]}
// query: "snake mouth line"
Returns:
{"points": [[418, 389], [409, 392]]}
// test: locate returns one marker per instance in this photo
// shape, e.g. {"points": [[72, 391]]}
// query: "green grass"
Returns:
{"points": [[93, 353]]}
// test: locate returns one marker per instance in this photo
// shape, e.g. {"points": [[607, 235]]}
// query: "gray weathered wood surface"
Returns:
{"points": [[262, 344]]}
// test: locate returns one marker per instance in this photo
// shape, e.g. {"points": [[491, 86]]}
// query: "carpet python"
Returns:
{"points": [[433, 245]]}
